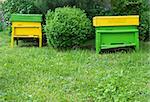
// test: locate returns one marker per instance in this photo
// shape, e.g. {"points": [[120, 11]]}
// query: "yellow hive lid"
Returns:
{"points": [[115, 20]]}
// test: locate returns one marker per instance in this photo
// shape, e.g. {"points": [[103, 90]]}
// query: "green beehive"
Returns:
{"points": [[116, 32]]}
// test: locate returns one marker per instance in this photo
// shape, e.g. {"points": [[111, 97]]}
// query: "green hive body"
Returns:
{"points": [[115, 37]]}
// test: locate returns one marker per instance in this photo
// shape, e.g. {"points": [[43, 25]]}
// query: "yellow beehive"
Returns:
{"points": [[26, 26]]}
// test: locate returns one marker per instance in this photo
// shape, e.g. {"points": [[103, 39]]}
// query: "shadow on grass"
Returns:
{"points": [[30, 42], [89, 45]]}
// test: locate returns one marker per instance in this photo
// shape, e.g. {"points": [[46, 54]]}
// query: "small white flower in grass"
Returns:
{"points": [[5, 64], [30, 96]]}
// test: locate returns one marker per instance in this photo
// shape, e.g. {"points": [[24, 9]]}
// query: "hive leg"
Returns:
{"points": [[137, 41], [40, 42], [40, 37], [98, 44]]}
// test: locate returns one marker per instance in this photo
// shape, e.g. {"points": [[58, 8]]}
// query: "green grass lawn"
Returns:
{"points": [[46, 75]]}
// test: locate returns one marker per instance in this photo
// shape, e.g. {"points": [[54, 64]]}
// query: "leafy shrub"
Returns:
{"points": [[67, 27], [17, 6], [144, 26]]}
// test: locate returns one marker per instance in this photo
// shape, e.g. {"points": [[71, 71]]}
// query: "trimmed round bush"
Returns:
{"points": [[67, 27]]}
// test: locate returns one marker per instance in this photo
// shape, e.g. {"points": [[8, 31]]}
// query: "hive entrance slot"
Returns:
{"points": [[117, 43]]}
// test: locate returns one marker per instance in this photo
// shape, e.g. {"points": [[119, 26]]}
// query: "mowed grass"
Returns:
{"points": [[32, 74]]}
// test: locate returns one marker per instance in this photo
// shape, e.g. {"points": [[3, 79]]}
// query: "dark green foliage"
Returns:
{"points": [[17, 6], [67, 27], [91, 7], [44, 5], [134, 7], [0, 26], [144, 26], [106, 7]]}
